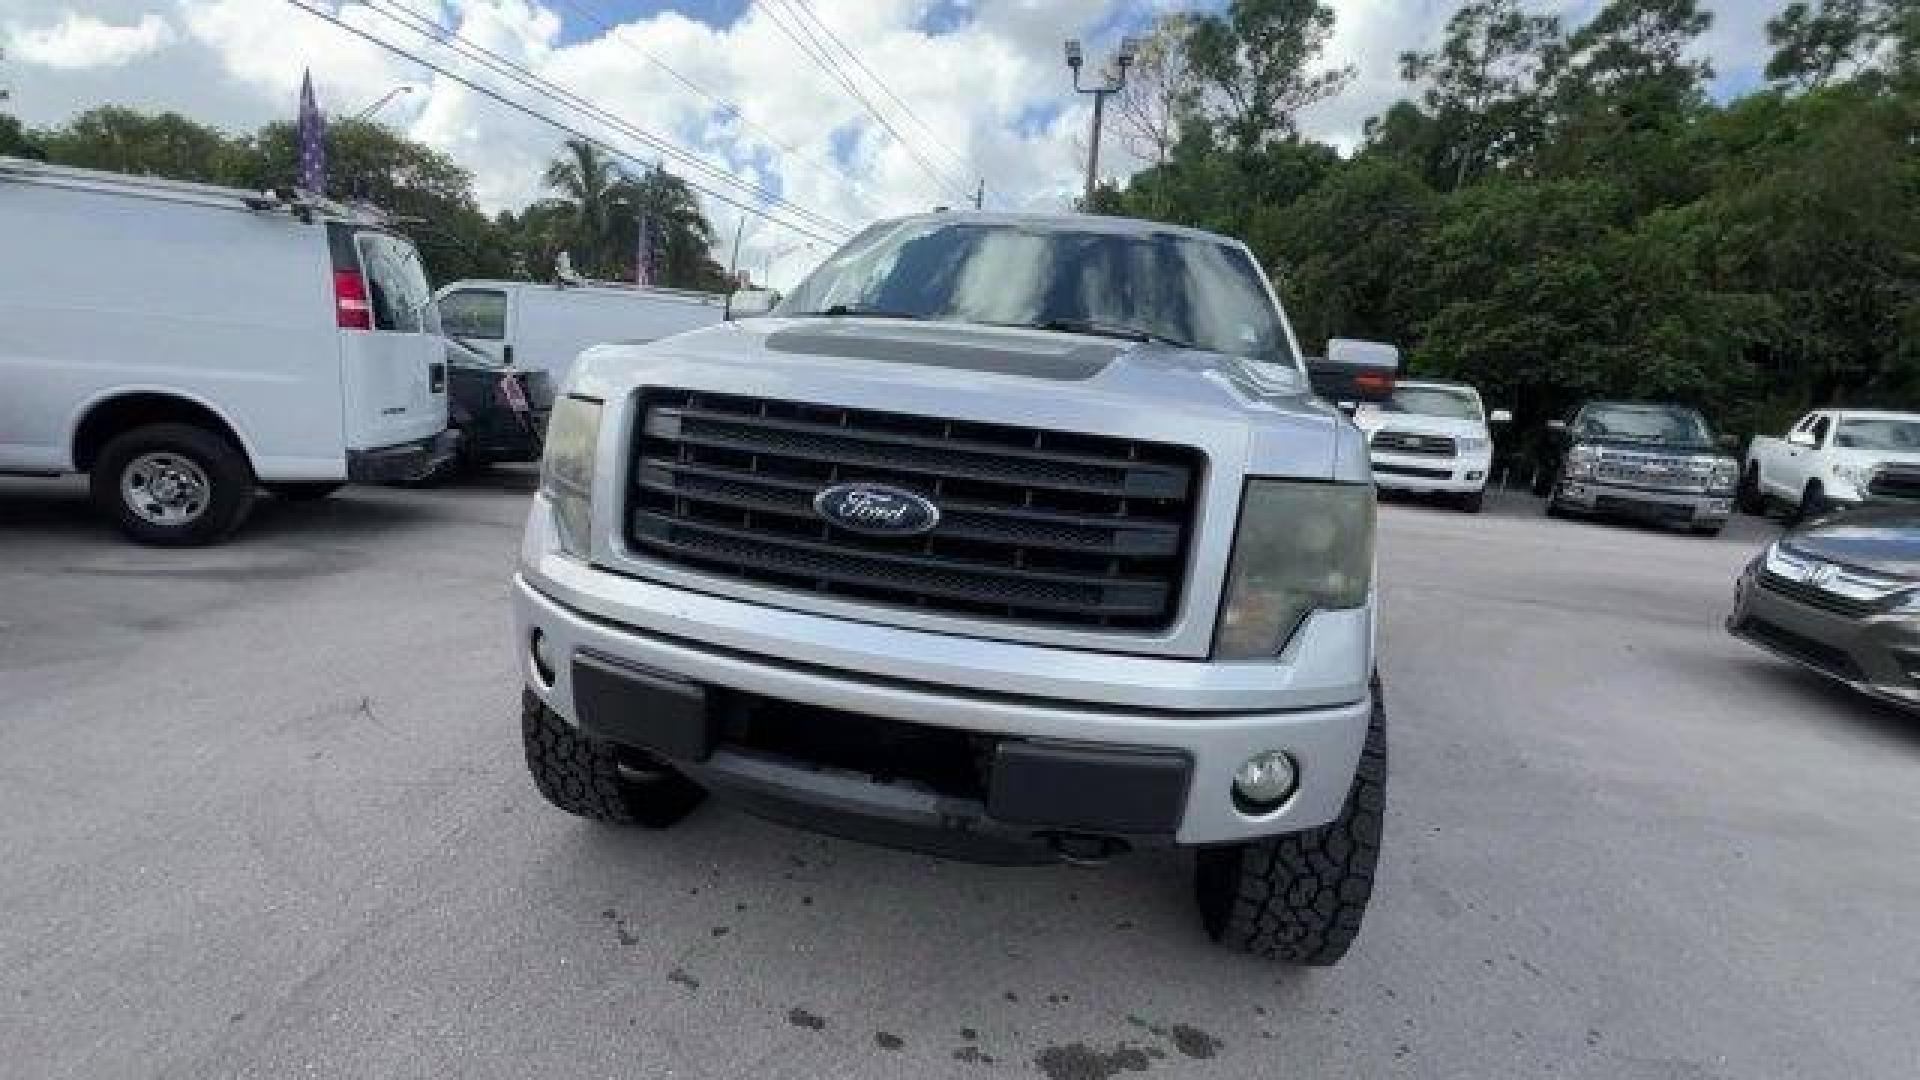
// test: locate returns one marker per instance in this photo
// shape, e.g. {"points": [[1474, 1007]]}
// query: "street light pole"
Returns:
{"points": [[1111, 82], [403, 88]]}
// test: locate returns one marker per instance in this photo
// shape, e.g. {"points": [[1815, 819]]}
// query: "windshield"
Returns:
{"points": [[1452, 402], [1164, 286], [1879, 433], [1644, 423]]}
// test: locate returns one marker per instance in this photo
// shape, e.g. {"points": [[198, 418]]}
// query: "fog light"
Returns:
{"points": [[1474, 474], [544, 662], [1263, 781]]}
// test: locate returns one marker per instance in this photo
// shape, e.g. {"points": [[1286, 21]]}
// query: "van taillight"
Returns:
{"points": [[350, 301]]}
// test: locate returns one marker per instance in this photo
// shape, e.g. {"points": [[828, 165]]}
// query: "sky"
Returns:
{"points": [[988, 93]]}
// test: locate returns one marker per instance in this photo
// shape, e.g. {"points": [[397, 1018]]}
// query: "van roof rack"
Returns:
{"points": [[300, 203]]}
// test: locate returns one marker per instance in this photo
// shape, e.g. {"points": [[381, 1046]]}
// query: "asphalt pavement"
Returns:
{"points": [[263, 813]]}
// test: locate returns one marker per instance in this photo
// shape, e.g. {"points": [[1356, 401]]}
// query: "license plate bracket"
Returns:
{"points": [[640, 707]]}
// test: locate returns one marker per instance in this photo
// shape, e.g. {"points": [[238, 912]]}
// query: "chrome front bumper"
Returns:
{"points": [[1313, 701]]}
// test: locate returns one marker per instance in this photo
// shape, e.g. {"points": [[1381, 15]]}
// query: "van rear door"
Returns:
{"points": [[393, 371]]}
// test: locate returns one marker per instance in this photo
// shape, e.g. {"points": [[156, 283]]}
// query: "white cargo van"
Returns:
{"points": [[183, 344], [542, 327]]}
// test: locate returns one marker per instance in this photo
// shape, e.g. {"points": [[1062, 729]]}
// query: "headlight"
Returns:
{"points": [[1726, 473], [1853, 473], [1580, 461], [1473, 446], [1300, 546], [566, 469]]}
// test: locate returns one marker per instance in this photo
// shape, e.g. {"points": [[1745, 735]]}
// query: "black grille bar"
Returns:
{"points": [[1814, 596], [1059, 528]]}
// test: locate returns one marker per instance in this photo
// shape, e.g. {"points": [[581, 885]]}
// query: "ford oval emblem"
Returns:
{"points": [[876, 509]]}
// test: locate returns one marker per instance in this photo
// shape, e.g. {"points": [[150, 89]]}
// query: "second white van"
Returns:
{"points": [[542, 326]]}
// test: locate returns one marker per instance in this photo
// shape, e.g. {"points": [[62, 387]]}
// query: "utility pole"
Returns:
{"points": [[980, 195], [1111, 82]]}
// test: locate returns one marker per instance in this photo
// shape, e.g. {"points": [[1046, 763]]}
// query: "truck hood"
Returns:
{"points": [[1863, 458], [1883, 540], [1372, 420], [1261, 418]]}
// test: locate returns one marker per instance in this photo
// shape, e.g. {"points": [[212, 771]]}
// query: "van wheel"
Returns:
{"points": [[1299, 898], [594, 779], [304, 492], [173, 485]]}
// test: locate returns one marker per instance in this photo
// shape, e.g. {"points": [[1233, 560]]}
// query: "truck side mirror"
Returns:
{"points": [[1500, 416], [749, 303], [1355, 370]]}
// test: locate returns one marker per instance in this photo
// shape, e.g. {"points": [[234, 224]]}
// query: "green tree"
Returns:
{"points": [[1255, 67], [165, 144], [1480, 83], [586, 179]]}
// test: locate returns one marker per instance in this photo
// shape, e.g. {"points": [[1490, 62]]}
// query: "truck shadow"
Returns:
{"points": [[1828, 702]]}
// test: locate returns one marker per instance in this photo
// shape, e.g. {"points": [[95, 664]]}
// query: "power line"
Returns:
{"points": [[415, 58], [826, 63], [934, 136], [617, 33], [467, 49]]}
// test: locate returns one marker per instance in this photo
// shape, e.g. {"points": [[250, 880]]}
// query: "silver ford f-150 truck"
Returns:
{"points": [[1008, 538]]}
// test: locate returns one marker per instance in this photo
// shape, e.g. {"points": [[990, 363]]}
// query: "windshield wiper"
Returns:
{"points": [[1096, 328], [861, 311]]}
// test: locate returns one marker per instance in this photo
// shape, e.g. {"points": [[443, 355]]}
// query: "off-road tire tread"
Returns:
{"points": [[1300, 898], [582, 775]]}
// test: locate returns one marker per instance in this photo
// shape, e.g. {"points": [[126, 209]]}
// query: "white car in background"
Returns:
{"points": [[1432, 437], [543, 326], [1831, 458], [184, 344]]}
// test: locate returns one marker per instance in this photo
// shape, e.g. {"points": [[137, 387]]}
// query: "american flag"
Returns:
{"points": [[312, 139], [643, 252]]}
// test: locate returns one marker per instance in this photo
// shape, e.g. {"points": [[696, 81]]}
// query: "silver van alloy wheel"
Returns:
{"points": [[165, 488]]}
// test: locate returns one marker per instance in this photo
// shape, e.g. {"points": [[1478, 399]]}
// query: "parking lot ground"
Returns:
{"points": [[263, 813]]}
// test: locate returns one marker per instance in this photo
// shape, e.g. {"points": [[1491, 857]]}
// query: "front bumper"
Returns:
{"points": [[1877, 655], [1695, 508], [402, 463], [1313, 702], [1461, 475]]}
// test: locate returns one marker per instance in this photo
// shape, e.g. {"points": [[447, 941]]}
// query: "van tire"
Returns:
{"points": [[594, 779], [1299, 898], [304, 492], [228, 478]]}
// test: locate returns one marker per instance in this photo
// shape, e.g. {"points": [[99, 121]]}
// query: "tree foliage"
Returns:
{"points": [[428, 194], [1557, 212]]}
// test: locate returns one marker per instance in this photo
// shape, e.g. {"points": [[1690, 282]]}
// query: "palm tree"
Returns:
{"points": [[682, 235], [588, 179]]}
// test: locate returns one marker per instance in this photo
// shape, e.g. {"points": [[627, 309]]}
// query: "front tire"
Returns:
{"points": [[1813, 502], [1300, 898], [172, 485], [1748, 498], [1473, 501], [598, 780]]}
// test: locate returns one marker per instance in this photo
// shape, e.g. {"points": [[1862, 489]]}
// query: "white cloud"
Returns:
{"points": [[993, 89], [81, 41]]}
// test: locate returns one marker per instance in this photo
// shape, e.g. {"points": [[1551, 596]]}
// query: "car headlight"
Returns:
{"points": [[1301, 546], [1853, 473], [1580, 461], [566, 470], [1472, 445], [1726, 473]]}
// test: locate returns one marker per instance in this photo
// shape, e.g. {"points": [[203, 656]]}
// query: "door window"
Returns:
{"points": [[1820, 428], [480, 314], [397, 287]]}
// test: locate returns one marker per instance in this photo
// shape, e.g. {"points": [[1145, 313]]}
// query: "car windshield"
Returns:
{"points": [[1879, 433], [1452, 402], [1667, 424], [1160, 286]]}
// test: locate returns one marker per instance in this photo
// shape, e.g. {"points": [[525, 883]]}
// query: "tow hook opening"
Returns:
{"points": [[1084, 849]]}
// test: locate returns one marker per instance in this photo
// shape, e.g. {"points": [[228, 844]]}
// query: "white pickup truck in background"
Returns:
{"points": [[1831, 458]]}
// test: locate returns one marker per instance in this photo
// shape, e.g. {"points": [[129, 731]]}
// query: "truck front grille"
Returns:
{"points": [[1406, 442], [1659, 473], [1036, 526], [1895, 482]]}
